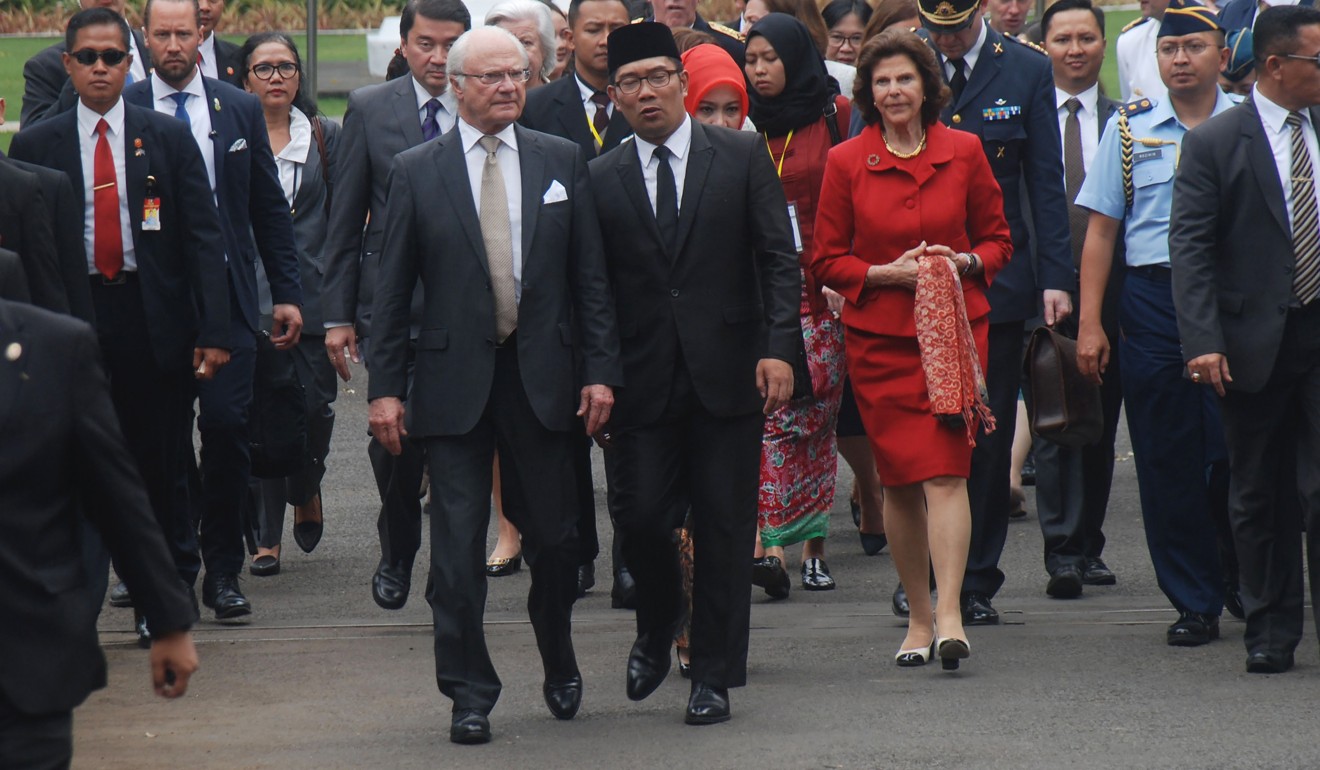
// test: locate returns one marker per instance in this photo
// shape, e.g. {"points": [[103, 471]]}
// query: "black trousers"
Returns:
{"points": [[692, 460], [1261, 428], [540, 499], [987, 485], [42, 742], [399, 484]]}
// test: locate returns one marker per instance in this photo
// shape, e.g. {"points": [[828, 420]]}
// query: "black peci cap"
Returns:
{"points": [[640, 40]]}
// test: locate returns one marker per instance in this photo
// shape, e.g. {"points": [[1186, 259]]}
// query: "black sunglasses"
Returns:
{"points": [[87, 57]]}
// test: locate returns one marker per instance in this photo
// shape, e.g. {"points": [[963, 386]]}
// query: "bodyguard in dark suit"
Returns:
{"points": [[515, 294], [1072, 484], [382, 121], [219, 59], [152, 261], [46, 86], [1243, 240], [707, 292], [228, 126], [1003, 92], [53, 393]]}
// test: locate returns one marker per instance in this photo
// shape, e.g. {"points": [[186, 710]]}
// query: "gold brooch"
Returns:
{"points": [[216, 103], [944, 10], [872, 160]]}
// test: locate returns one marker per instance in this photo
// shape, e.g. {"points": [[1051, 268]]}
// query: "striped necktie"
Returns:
{"points": [[1306, 239]]}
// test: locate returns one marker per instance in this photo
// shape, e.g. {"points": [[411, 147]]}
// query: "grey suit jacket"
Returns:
{"points": [[566, 301], [381, 122], [1230, 244]]}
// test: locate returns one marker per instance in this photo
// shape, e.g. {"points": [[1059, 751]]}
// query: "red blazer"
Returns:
{"points": [[874, 206]]}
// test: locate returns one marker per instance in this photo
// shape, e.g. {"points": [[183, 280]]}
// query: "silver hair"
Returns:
{"points": [[457, 61], [513, 11]]}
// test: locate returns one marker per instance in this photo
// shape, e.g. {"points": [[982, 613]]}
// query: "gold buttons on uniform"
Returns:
{"points": [[957, 118]]}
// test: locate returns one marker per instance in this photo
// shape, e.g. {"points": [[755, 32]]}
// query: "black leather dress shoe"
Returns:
{"points": [[648, 665], [1065, 583], [900, 602], [623, 596], [707, 705], [1233, 602], [1266, 662], [221, 593], [140, 628], [564, 696], [586, 578], [390, 584], [1098, 574], [768, 572], [469, 727], [977, 611], [1193, 629], [816, 575], [119, 595]]}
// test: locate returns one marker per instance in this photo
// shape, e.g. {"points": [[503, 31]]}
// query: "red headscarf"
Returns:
{"points": [[709, 66]]}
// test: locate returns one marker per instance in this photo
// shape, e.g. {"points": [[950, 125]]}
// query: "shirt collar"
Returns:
{"points": [[300, 137], [678, 143], [448, 102], [1090, 99], [584, 90], [974, 53], [89, 118], [1271, 114], [162, 90], [1163, 109], [470, 136], [207, 50]]}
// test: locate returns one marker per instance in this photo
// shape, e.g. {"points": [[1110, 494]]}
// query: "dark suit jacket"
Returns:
{"points": [[55, 395], [1026, 154], [253, 212], [565, 302], [1237, 14], [1230, 245], [381, 122], [46, 86], [732, 45], [66, 216], [13, 280], [728, 298], [181, 266], [229, 62], [25, 228], [557, 109]]}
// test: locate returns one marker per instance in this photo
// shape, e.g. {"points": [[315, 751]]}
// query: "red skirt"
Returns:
{"points": [[910, 444]]}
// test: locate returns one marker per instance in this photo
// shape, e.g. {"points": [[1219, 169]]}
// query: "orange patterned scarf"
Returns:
{"points": [[948, 352]]}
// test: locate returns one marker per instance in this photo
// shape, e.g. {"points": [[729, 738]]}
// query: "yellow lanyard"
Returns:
{"points": [[779, 164], [591, 124]]}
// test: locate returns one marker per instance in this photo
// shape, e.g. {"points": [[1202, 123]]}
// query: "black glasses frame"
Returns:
{"points": [[632, 84], [286, 69]]}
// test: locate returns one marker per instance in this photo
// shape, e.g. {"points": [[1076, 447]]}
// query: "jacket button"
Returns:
{"points": [[957, 118], [910, 203], [673, 292]]}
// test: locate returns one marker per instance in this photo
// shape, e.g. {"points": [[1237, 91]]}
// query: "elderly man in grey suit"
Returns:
{"points": [[515, 292], [1245, 252], [382, 121]]}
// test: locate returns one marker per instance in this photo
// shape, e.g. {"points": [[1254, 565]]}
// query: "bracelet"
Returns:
{"points": [[967, 268]]}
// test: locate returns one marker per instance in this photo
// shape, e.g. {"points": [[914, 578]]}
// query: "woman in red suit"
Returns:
{"points": [[908, 189]]}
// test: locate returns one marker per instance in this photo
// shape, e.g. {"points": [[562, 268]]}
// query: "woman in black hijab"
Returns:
{"points": [[801, 117]]}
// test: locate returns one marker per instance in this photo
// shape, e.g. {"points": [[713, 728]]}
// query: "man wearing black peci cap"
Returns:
{"points": [[705, 279]]}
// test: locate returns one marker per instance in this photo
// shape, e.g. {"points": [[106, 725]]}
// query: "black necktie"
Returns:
{"points": [[666, 200], [959, 80]]}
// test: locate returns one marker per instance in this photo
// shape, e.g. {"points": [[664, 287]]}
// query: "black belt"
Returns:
{"points": [[122, 278], [1154, 272]]}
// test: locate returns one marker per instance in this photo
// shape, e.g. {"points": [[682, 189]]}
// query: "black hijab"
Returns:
{"points": [[806, 83]]}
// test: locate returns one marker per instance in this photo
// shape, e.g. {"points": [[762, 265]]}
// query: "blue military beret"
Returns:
{"points": [[1186, 17], [1240, 59]]}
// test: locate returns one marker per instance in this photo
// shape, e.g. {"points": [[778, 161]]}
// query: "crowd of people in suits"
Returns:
{"points": [[724, 254]]}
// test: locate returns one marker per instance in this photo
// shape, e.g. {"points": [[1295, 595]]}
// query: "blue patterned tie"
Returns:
{"points": [[181, 108], [431, 128]]}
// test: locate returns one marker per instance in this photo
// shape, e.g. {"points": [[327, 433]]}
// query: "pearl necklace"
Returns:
{"points": [[921, 145]]}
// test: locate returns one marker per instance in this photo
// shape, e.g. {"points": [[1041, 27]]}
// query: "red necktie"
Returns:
{"points": [[107, 238]]}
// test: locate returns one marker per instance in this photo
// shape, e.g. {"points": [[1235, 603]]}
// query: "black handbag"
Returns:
{"points": [[1064, 406], [277, 421]]}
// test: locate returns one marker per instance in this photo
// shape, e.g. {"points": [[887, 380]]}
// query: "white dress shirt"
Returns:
{"points": [[291, 160], [445, 116], [199, 117], [971, 57], [1138, 67], [136, 71], [1088, 118], [206, 51], [87, 139], [589, 106], [678, 143], [507, 158], [1273, 118]]}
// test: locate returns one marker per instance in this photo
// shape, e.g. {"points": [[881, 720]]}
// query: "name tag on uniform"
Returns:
{"points": [[793, 220], [1137, 157], [1001, 113], [151, 214]]}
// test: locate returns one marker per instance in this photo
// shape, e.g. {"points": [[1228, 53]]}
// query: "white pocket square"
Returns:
{"points": [[554, 194], [241, 144]]}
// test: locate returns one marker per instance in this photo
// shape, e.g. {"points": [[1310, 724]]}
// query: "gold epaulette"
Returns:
{"points": [[1026, 44], [1134, 24], [733, 33]]}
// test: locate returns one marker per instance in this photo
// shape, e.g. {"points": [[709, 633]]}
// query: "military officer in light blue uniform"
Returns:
{"points": [[1177, 436]]}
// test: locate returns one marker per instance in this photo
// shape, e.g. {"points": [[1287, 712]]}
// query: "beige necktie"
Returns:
{"points": [[497, 235]]}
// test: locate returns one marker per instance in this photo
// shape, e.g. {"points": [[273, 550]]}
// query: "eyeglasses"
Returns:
{"points": [[854, 41], [495, 78], [1191, 48], [111, 56], [1313, 59], [632, 84], [266, 71]]}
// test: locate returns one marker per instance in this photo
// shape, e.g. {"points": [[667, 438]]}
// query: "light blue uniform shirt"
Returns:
{"points": [[1153, 167]]}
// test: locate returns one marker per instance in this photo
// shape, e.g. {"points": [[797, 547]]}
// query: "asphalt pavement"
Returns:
{"points": [[322, 678]]}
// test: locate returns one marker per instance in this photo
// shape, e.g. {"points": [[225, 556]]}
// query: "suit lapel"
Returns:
{"points": [[1262, 164], [405, 109], [12, 373], [630, 174], [531, 162], [66, 135], [136, 167], [572, 115], [700, 154], [223, 131], [617, 130], [987, 66], [453, 175]]}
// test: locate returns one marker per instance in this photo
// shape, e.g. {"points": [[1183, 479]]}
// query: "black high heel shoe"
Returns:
{"points": [[919, 656], [951, 651]]}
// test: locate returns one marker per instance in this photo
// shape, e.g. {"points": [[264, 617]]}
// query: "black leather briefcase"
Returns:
{"points": [[1064, 406]]}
